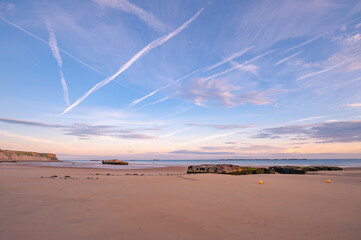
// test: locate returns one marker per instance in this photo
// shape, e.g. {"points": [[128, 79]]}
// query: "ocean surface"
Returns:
{"points": [[138, 164]]}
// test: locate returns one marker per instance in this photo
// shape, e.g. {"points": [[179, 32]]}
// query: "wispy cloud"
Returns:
{"points": [[156, 43], [211, 137], [86, 131], [55, 50], [228, 59], [317, 72], [128, 7], [220, 126], [338, 131], [184, 151], [175, 132], [47, 43], [31, 123], [287, 58], [312, 118], [244, 66], [354, 105], [219, 93], [156, 102]]}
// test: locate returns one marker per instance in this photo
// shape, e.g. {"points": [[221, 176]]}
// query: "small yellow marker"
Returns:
{"points": [[260, 182], [328, 180]]}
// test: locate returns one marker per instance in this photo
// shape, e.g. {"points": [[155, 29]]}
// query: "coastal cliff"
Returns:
{"points": [[19, 156]]}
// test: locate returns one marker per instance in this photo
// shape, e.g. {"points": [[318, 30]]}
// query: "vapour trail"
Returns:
{"points": [[189, 74], [287, 58], [159, 89], [156, 43], [207, 138], [175, 132], [55, 51], [233, 56], [244, 64], [158, 101], [60, 49]]}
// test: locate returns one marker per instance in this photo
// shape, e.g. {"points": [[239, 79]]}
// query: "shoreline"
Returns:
{"points": [[133, 166]]}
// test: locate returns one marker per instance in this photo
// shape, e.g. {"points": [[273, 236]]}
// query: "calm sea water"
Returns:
{"points": [[164, 163]]}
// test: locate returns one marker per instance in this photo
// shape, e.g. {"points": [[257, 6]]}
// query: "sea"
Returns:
{"points": [[139, 164]]}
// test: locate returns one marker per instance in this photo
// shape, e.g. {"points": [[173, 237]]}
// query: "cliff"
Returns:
{"points": [[19, 156]]}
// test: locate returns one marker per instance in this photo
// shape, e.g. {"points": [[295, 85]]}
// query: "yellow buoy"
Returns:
{"points": [[260, 182], [328, 180]]}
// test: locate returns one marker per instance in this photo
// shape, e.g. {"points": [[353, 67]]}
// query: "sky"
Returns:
{"points": [[181, 79]]}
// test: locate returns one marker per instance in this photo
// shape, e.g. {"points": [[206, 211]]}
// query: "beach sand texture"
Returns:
{"points": [[176, 206]]}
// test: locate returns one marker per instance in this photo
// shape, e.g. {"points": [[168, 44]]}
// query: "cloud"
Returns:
{"points": [[220, 126], [287, 58], [342, 131], [8, 7], [128, 7], [355, 105], [230, 58], [175, 132], [54, 45], [183, 151], [30, 123], [47, 43], [156, 43], [245, 66], [86, 131], [156, 102], [55, 51], [235, 55], [312, 118], [327, 69], [218, 92], [211, 137]]}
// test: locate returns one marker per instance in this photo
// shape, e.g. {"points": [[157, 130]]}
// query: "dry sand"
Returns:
{"points": [[177, 206]]}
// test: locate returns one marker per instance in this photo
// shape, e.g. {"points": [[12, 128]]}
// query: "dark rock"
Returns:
{"points": [[302, 170], [228, 169], [114, 161]]}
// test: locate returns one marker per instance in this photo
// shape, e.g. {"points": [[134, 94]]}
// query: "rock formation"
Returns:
{"points": [[19, 156], [303, 170], [238, 170], [114, 161], [228, 169]]}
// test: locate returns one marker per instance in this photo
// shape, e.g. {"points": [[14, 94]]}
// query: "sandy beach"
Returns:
{"points": [[166, 203]]}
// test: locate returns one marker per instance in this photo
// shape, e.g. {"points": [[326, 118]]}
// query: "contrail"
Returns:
{"points": [[156, 43], [46, 42], [240, 65], [159, 89], [287, 58], [128, 7], [187, 75], [158, 101], [61, 50], [55, 50], [175, 132], [233, 56], [65, 89], [208, 138]]}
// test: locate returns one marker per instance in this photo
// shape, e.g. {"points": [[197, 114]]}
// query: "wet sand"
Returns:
{"points": [[166, 203]]}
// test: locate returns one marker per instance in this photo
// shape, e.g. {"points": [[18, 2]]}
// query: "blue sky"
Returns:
{"points": [[181, 79]]}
